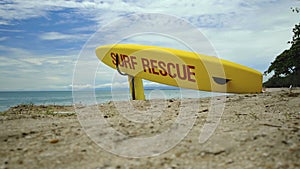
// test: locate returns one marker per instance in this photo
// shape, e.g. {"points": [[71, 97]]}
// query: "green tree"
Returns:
{"points": [[286, 67]]}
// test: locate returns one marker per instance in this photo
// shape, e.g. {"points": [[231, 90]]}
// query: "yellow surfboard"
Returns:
{"points": [[180, 68]]}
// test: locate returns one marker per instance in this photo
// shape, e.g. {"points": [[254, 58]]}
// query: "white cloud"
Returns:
{"points": [[256, 37], [24, 70], [61, 36], [115, 85], [11, 30], [3, 38], [15, 52], [25, 9], [101, 10], [2, 22], [81, 86]]}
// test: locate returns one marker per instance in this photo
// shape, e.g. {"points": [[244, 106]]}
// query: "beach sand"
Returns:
{"points": [[255, 131]]}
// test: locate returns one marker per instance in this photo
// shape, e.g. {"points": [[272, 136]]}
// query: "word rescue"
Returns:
{"points": [[156, 67]]}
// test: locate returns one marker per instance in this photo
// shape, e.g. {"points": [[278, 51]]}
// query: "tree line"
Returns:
{"points": [[286, 66]]}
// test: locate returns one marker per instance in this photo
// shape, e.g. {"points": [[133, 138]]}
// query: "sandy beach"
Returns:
{"points": [[255, 131]]}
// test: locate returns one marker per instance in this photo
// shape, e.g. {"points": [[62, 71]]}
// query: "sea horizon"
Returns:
{"points": [[10, 99]]}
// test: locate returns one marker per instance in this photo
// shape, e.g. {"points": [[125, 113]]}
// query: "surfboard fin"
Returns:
{"points": [[220, 80]]}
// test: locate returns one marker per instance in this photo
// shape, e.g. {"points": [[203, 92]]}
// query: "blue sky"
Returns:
{"points": [[40, 41]]}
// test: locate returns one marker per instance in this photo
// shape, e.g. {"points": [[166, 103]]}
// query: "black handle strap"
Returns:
{"points": [[125, 74], [117, 66]]}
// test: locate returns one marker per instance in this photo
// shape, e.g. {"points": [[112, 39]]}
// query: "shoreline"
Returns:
{"points": [[255, 131], [70, 105]]}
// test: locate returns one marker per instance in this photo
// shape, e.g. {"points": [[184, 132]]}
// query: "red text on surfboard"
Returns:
{"points": [[124, 60], [156, 67], [182, 71]]}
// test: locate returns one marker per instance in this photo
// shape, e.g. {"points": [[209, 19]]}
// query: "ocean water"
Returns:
{"points": [[10, 99]]}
